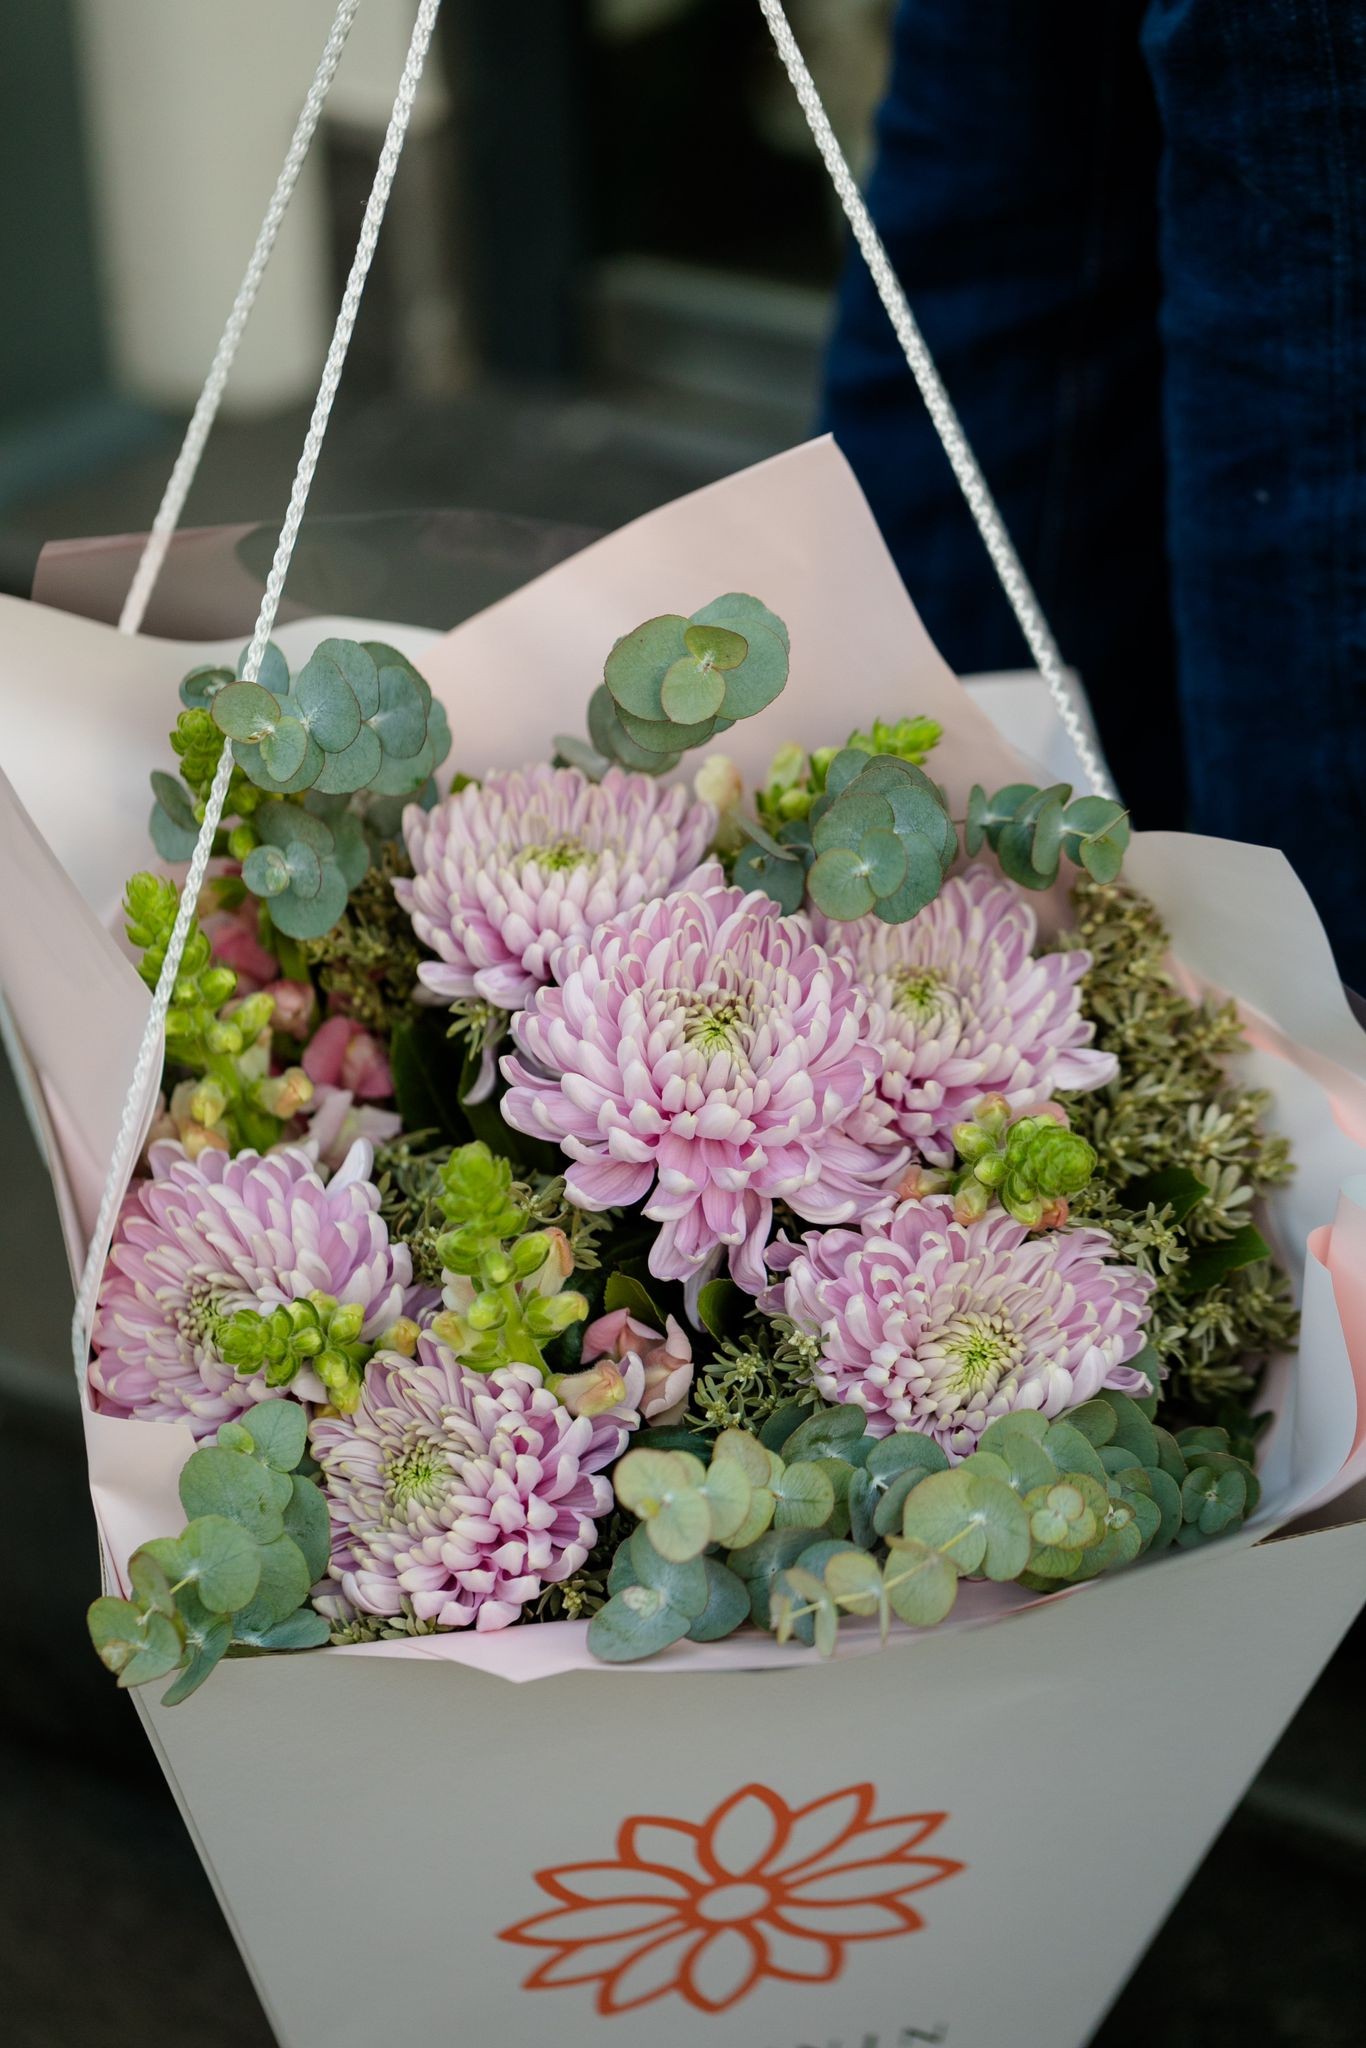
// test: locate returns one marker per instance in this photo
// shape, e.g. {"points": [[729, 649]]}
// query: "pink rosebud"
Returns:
{"points": [[233, 935], [343, 1054], [616, 1335], [665, 1359], [596, 1391], [294, 1010]]}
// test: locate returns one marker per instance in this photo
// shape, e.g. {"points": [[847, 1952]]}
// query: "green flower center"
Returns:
{"points": [[197, 1320], [417, 1475], [918, 991], [715, 1023], [981, 1350], [557, 854]]}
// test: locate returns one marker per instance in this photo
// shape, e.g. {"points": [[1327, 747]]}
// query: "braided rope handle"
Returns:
{"points": [[999, 546], [150, 1049]]}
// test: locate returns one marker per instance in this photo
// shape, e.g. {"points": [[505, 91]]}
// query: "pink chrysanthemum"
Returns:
{"points": [[937, 1326], [509, 868], [462, 1493], [966, 1010], [207, 1236], [707, 1049]]}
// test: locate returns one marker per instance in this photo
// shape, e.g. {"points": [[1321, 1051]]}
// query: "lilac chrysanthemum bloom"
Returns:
{"points": [[207, 1236], [968, 1011], [937, 1326], [463, 1493], [507, 869], [707, 1049]]}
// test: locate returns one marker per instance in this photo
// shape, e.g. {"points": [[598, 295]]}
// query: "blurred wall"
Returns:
{"points": [[190, 105]]}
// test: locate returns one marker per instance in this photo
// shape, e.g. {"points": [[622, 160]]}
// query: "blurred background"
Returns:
{"points": [[605, 279]]}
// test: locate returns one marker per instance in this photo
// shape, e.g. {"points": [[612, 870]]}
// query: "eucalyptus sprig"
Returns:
{"points": [[1030, 830], [322, 765], [238, 1575], [794, 1527]]}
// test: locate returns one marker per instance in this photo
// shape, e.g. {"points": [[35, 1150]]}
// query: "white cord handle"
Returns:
{"points": [[206, 407], [938, 404], [150, 1050]]}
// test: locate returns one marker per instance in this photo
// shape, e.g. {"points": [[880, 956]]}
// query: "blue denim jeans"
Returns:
{"points": [[1131, 231]]}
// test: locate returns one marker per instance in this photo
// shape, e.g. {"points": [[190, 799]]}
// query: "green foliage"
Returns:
{"points": [[317, 1332], [506, 1297], [367, 962], [239, 1572], [673, 683], [1183, 1160], [1030, 829], [323, 765], [833, 1521], [1032, 1165], [881, 839], [357, 716], [225, 1043], [906, 739]]}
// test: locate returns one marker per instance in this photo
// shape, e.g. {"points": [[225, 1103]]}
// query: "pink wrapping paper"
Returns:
{"points": [[797, 532]]}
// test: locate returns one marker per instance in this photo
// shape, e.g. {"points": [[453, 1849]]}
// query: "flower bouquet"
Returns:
{"points": [[723, 1167]]}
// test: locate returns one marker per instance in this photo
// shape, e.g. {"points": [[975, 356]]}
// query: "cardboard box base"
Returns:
{"points": [[373, 1827]]}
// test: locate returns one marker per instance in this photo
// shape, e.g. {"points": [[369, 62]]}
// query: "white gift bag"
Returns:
{"points": [[472, 1839], [488, 1838]]}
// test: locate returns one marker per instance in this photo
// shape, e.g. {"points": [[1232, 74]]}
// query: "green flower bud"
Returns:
{"points": [[346, 1323], [242, 840], [548, 1314]]}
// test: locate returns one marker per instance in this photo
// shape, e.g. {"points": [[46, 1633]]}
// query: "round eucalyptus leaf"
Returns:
{"points": [[838, 885], [283, 1586], [690, 693], [611, 739], [727, 1493], [136, 1646], [283, 825], [355, 767], [173, 842], [739, 612], [302, 1630], [854, 1581], [716, 645], [783, 880], [637, 1622], [201, 685], [359, 664], [278, 1431], [306, 1519], [305, 775], [884, 856], [1015, 851], [171, 793], [661, 735], [636, 667], [401, 720], [322, 697], [305, 870], [150, 1580], [727, 1605], [829, 1433], [1048, 828], [902, 1451], [920, 1584], [1102, 858], [266, 871], [760, 676], [273, 674], [922, 882], [850, 819], [351, 850], [222, 1561], [283, 750], [218, 1482], [207, 1652], [245, 711], [804, 1497], [311, 917]]}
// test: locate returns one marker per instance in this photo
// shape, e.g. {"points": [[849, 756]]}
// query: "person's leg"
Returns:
{"points": [[1264, 322], [1015, 190]]}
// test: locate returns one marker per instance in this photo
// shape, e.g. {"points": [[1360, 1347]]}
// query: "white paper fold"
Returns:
{"points": [[798, 533]]}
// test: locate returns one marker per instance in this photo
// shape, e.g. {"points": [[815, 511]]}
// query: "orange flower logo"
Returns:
{"points": [[761, 1889]]}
